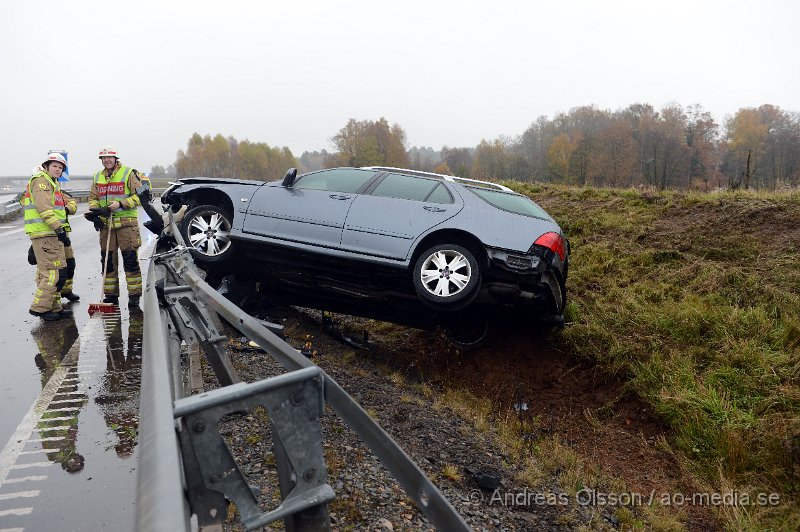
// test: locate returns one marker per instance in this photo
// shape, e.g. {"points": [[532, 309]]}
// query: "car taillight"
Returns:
{"points": [[554, 242]]}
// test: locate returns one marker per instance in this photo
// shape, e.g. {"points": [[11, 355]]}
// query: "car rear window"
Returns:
{"points": [[338, 180], [510, 202], [440, 195], [412, 188], [404, 187]]}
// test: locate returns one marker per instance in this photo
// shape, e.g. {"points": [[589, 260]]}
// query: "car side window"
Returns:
{"points": [[440, 195], [405, 187], [347, 180]]}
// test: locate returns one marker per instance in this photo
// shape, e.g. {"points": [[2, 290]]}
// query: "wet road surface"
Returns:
{"points": [[70, 392]]}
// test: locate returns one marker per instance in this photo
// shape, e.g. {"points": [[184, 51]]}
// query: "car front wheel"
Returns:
{"points": [[447, 276], [207, 231]]}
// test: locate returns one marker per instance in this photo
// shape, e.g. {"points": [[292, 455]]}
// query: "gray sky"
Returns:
{"points": [[144, 75]]}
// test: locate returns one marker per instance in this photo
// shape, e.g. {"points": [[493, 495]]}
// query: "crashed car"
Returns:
{"points": [[416, 248]]}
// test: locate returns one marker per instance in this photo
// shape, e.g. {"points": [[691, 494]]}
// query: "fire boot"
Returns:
{"points": [[47, 316]]}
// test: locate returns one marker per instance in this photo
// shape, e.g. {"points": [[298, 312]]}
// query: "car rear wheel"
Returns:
{"points": [[447, 276], [469, 333], [207, 231]]}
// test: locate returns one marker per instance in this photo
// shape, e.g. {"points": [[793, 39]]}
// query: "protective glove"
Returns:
{"points": [[94, 216], [62, 236], [72, 207], [104, 211], [31, 256]]}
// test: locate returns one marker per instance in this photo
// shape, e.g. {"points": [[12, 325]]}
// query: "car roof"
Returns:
{"points": [[448, 178]]}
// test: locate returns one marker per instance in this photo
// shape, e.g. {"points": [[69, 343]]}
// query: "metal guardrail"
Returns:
{"points": [[161, 502], [11, 207], [180, 473]]}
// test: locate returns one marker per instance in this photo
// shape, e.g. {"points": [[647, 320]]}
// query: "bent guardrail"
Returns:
{"points": [[178, 306], [10, 207]]}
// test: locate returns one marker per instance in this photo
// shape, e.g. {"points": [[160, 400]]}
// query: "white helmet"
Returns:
{"points": [[108, 151], [55, 157]]}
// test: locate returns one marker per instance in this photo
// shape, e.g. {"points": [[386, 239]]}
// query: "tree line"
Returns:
{"points": [[673, 147]]}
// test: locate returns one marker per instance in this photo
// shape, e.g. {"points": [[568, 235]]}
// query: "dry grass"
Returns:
{"points": [[452, 472], [693, 297]]}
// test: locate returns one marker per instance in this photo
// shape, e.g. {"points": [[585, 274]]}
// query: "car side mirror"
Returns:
{"points": [[288, 179]]}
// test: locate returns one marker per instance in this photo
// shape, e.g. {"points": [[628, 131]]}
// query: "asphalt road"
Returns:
{"points": [[69, 391]]}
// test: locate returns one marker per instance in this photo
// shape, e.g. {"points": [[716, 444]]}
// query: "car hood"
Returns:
{"points": [[218, 180]]}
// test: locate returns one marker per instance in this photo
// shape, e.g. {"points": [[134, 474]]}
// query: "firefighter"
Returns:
{"points": [[113, 197], [45, 215], [72, 207]]}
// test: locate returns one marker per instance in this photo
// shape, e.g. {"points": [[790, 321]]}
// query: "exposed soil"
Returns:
{"points": [[590, 412], [521, 373]]}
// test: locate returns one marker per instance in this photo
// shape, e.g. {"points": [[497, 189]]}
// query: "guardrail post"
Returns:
{"points": [[192, 319], [315, 518], [209, 505], [294, 403]]}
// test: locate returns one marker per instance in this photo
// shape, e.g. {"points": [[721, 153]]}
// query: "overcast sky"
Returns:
{"points": [[142, 76]]}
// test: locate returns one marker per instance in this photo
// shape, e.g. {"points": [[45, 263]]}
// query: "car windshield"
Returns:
{"points": [[510, 202]]}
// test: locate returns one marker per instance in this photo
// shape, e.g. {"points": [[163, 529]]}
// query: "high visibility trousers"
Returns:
{"points": [[50, 273], [127, 240]]}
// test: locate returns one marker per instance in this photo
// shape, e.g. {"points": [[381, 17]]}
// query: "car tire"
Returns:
{"points": [[470, 333], [447, 277], [206, 230]]}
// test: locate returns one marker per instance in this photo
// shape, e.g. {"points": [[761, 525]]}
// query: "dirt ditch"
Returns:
{"points": [[521, 373]]}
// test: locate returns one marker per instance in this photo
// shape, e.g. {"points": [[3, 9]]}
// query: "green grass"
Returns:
{"points": [[695, 299]]}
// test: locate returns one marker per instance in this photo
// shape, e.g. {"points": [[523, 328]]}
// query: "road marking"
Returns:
{"points": [[16, 511], [6, 233], [49, 419], [51, 429], [73, 409], [32, 464], [52, 438], [25, 479], [19, 495]]}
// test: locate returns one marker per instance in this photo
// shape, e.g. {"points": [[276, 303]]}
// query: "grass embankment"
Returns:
{"points": [[695, 300]]}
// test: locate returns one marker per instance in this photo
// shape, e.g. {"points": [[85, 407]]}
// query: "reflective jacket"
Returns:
{"points": [[44, 206], [116, 188]]}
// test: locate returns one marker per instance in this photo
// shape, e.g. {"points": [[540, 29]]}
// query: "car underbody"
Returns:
{"points": [[382, 292]]}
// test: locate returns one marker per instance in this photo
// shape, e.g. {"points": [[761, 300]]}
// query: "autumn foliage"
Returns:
{"points": [[227, 157], [675, 147]]}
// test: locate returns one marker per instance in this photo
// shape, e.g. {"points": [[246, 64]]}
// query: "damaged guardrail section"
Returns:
{"points": [[186, 471]]}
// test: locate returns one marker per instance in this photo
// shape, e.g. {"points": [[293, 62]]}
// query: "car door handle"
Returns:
{"points": [[339, 196], [433, 209]]}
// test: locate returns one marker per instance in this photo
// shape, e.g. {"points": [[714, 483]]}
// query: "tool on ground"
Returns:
{"points": [[102, 306]]}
